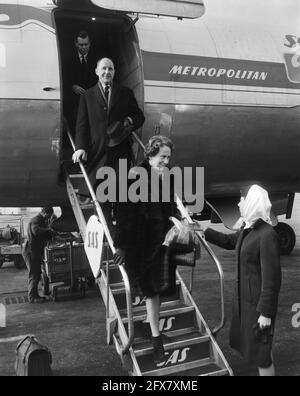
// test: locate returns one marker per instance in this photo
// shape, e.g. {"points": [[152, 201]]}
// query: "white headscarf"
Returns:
{"points": [[255, 206]]}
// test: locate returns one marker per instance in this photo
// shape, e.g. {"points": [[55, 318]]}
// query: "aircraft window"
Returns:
{"points": [[4, 18], [2, 55], [28, 77]]}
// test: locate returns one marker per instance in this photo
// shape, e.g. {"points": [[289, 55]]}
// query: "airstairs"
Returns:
{"points": [[190, 346]]}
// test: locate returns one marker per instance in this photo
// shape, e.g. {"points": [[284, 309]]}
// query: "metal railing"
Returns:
{"points": [[109, 239], [185, 215]]}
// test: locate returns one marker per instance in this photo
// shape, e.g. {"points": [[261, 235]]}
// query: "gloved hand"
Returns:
{"points": [[263, 334], [119, 257], [264, 322]]}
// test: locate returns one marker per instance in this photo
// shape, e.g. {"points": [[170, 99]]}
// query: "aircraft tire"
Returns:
{"points": [[287, 238], [2, 259], [19, 262], [55, 294], [45, 281], [82, 290]]}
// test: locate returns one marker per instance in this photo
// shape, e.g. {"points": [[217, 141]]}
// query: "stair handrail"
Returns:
{"points": [[101, 216], [212, 255], [185, 215]]}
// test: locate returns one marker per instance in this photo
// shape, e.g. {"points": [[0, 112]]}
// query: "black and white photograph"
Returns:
{"points": [[149, 190]]}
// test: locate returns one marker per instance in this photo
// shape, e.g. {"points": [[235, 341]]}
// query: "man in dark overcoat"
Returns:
{"points": [[101, 106], [102, 109], [38, 234]]}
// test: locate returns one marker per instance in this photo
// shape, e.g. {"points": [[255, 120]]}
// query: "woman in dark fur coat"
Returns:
{"points": [[258, 280], [140, 233]]}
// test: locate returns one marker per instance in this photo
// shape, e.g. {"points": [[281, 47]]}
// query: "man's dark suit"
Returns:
{"points": [[94, 117], [84, 76]]}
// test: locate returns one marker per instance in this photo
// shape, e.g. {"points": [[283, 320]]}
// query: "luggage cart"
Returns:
{"points": [[66, 270], [11, 242]]}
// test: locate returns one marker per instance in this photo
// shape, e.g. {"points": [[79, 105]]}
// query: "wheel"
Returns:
{"points": [[19, 262], [91, 282], [2, 259], [287, 238], [45, 281], [82, 289], [55, 294]]}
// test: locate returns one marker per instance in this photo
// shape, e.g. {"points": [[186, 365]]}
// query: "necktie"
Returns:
{"points": [[106, 92], [83, 70]]}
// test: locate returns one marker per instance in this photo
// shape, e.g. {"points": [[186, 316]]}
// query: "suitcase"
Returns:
{"points": [[32, 358]]}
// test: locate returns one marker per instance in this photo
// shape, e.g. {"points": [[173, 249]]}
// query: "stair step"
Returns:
{"points": [[79, 184], [202, 368], [171, 319], [173, 343], [139, 303], [208, 370], [118, 288], [87, 207], [141, 311], [166, 312], [111, 273], [144, 345], [176, 370], [115, 275], [88, 213], [76, 176], [71, 168], [217, 373], [181, 356], [116, 285]]}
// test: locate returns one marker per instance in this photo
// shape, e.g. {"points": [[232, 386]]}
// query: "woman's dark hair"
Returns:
{"points": [[156, 143], [47, 210]]}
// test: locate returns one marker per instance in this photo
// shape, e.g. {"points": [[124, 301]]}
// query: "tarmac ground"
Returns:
{"points": [[74, 329]]}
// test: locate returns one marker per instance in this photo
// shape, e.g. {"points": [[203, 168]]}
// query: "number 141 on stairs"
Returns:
{"points": [[93, 244]]}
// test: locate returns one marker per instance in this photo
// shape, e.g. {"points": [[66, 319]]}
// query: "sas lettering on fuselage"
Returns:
{"points": [[292, 41], [213, 72], [292, 57]]}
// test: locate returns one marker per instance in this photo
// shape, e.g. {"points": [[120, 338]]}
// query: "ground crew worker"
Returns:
{"points": [[38, 233]]}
